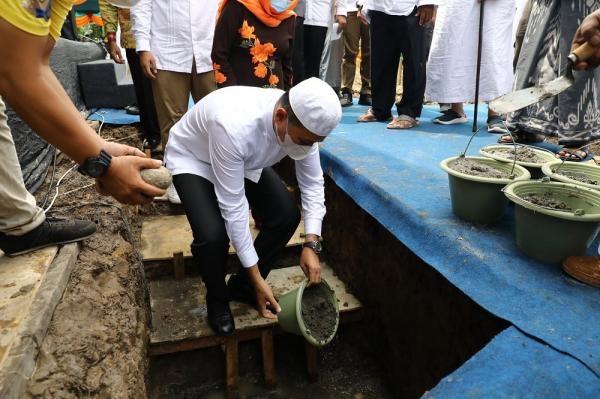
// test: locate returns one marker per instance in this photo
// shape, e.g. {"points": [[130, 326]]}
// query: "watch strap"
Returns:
{"points": [[102, 160]]}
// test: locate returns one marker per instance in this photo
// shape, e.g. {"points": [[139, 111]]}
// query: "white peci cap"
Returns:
{"points": [[316, 106]]}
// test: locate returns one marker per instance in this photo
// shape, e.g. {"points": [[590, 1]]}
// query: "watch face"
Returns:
{"points": [[95, 169], [318, 247], [314, 245]]}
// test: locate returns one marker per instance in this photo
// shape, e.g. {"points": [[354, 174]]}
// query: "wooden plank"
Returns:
{"points": [[268, 357], [179, 308], [45, 274], [161, 236], [20, 278], [178, 265], [231, 363], [312, 362]]}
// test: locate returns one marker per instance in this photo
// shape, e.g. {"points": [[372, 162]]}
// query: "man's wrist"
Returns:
{"points": [[111, 37], [254, 274], [311, 237]]}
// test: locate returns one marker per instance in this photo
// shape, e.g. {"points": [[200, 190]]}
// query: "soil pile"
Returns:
{"points": [[580, 177], [96, 342], [547, 201], [522, 154], [318, 313]]}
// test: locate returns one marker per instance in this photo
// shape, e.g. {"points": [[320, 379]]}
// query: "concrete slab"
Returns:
{"points": [[179, 308], [163, 235], [30, 287]]}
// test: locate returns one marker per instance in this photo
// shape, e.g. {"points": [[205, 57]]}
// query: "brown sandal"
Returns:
{"points": [[403, 122], [368, 116], [583, 268]]}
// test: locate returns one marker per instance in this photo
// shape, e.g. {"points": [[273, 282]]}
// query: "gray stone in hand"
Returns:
{"points": [[160, 177]]}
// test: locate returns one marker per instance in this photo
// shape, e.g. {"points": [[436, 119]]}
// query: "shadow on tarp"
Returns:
{"points": [[394, 175]]}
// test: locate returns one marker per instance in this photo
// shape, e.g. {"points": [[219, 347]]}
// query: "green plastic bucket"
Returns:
{"points": [[550, 235], [291, 320], [573, 172], [504, 153], [479, 199]]}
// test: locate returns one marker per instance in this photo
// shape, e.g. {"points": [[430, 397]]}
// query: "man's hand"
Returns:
{"points": [[361, 16], [148, 64], [115, 52], [124, 182], [341, 20], [264, 295], [588, 31], [309, 262], [425, 13], [117, 149]]}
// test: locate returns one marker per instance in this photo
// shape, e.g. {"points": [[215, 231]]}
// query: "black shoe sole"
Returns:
{"points": [[11, 255]]}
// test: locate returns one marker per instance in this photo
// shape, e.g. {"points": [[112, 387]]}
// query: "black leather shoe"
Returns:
{"points": [[365, 99], [220, 318]]}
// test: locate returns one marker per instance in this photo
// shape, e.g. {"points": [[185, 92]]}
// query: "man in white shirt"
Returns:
{"points": [[220, 154], [174, 41]]}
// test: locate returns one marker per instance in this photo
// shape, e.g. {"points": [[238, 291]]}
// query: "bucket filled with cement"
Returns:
{"points": [[311, 311]]}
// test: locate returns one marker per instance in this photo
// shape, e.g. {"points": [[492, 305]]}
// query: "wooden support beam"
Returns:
{"points": [[178, 265], [268, 357], [312, 362], [231, 363]]}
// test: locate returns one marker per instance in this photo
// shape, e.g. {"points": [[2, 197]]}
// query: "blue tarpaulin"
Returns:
{"points": [[394, 175]]}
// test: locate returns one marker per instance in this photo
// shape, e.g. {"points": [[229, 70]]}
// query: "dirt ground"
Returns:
{"points": [[96, 342]]}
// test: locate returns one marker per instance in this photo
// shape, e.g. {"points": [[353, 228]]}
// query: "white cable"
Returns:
{"points": [[56, 188]]}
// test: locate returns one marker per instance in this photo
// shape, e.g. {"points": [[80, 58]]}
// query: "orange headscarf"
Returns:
{"points": [[262, 10]]}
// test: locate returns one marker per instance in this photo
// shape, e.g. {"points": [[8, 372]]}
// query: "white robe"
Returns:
{"points": [[452, 65]]}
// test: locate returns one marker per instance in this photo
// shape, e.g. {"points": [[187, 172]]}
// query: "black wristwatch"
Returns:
{"points": [[96, 166], [314, 245]]}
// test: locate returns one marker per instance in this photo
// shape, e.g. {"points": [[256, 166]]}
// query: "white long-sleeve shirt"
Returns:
{"points": [[176, 31], [318, 12], [397, 7], [228, 136]]}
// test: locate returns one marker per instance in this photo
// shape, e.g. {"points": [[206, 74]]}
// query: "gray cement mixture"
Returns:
{"points": [[318, 313], [523, 154], [474, 167]]}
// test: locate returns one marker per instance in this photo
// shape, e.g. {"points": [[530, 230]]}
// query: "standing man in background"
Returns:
{"points": [[114, 18], [174, 41]]}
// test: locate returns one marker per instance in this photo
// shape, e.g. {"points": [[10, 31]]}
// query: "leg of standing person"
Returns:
{"points": [[520, 33], [352, 38], [202, 84], [314, 42], [171, 96], [23, 225], [365, 65], [411, 37], [385, 56], [298, 55], [145, 99]]}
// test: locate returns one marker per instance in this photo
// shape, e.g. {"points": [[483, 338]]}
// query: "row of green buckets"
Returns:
{"points": [[543, 233]]}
